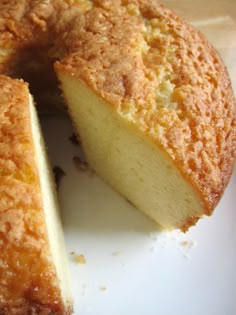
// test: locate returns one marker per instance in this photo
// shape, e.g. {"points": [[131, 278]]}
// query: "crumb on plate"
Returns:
{"points": [[59, 173], [78, 258], [80, 165], [74, 139]]}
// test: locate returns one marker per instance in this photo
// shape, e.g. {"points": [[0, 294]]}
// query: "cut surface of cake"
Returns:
{"points": [[157, 85], [153, 105], [33, 269]]}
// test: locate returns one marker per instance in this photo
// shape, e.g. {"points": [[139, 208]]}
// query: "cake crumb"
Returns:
{"points": [[83, 166], [80, 165], [103, 288], [59, 173], [78, 258], [188, 244], [74, 139], [184, 243]]}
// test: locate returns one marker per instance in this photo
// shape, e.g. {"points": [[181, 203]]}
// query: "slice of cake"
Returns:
{"points": [[153, 105], [33, 270]]}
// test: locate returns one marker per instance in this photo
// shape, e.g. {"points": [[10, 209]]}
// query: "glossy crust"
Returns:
{"points": [[153, 68], [28, 281]]}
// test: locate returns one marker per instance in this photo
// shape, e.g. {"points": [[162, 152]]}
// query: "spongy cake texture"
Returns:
{"points": [[154, 69], [164, 94], [167, 80]]}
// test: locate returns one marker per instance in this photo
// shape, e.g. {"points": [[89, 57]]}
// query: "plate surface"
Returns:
{"points": [[132, 267]]}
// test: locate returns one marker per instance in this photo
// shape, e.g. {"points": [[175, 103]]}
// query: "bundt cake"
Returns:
{"points": [[149, 97]]}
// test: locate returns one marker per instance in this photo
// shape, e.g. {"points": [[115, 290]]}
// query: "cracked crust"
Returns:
{"points": [[166, 79], [28, 280], [153, 68]]}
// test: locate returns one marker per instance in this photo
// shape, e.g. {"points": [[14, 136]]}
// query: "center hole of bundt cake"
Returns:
{"points": [[35, 66]]}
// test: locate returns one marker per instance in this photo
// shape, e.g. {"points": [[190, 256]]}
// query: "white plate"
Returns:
{"points": [[132, 267]]}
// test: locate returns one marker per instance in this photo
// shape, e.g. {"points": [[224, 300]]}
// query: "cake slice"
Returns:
{"points": [[33, 269], [153, 105]]}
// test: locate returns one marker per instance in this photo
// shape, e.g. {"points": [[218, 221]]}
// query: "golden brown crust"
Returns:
{"points": [[188, 223], [23, 22], [24, 43], [156, 70], [161, 75], [33, 308], [28, 279]]}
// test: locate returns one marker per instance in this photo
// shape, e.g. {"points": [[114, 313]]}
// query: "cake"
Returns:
{"points": [[33, 268], [153, 105], [149, 97]]}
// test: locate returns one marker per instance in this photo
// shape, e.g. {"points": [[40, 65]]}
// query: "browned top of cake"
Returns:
{"points": [[28, 282], [22, 19], [156, 70], [25, 23], [162, 76]]}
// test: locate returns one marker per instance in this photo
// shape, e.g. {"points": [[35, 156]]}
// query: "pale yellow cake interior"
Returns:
{"points": [[51, 209], [127, 160]]}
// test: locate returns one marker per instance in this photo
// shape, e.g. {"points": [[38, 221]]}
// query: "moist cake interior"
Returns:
{"points": [[51, 208], [159, 87], [34, 276], [127, 160], [106, 138]]}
